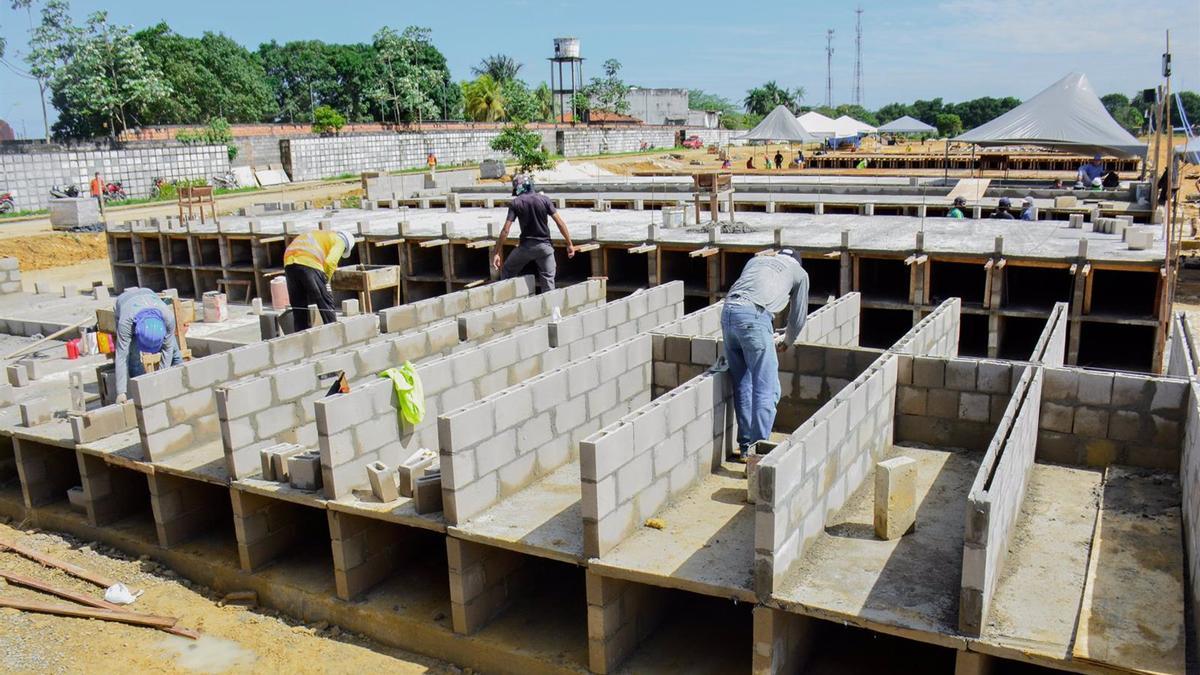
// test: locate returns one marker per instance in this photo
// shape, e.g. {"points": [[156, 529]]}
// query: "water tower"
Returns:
{"points": [[566, 51]]}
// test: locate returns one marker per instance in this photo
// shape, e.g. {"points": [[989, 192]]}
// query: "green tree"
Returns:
{"points": [[299, 75], [406, 83], [520, 105], [545, 102], [609, 92], [500, 67], [483, 100], [1123, 111], [354, 73], [893, 111], [699, 99], [764, 99], [857, 112], [949, 124], [525, 146], [326, 120], [1191, 107]]}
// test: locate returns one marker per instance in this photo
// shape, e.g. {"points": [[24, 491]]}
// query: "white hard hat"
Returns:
{"points": [[348, 240]]}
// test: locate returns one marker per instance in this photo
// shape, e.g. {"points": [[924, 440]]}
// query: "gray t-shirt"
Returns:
{"points": [[532, 211], [774, 282]]}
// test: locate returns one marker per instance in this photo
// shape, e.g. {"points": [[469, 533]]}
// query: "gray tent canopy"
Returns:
{"points": [[1067, 115], [781, 126], [1189, 152], [907, 125]]}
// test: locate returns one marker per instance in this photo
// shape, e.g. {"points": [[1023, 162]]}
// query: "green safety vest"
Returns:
{"points": [[409, 393]]}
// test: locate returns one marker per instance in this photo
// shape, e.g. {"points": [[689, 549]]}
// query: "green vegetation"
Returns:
{"points": [[525, 146], [215, 133], [608, 93], [16, 215], [949, 124], [499, 67], [327, 120], [764, 99]]}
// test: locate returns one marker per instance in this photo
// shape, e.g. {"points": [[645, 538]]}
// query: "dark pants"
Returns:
{"points": [[540, 254], [306, 286]]}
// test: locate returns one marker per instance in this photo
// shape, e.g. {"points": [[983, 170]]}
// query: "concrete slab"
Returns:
{"points": [[281, 491], [907, 586], [403, 511], [706, 547], [543, 520]]}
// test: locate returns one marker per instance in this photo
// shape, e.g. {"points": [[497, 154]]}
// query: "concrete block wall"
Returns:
{"points": [[935, 335], [1181, 350], [185, 508], [432, 310], [503, 318], [10, 276], [46, 471], [810, 475], [621, 614], [810, 375], [265, 527], [322, 157], [718, 136], [500, 444], [365, 551], [782, 641], [836, 323], [407, 186], [1097, 418], [632, 469], [177, 407], [995, 500], [278, 406], [363, 426], [1189, 479], [952, 403], [30, 175], [484, 580], [1051, 347], [579, 142], [702, 322], [593, 329], [109, 493]]}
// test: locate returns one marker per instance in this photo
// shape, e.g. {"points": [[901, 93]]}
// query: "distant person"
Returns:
{"points": [[956, 211], [146, 323], [1090, 171], [778, 159], [1111, 180], [726, 164], [431, 161], [533, 211], [800, 158], [750, 162], [1002, 211], [1028, 210], [1058, 184], [98, 190], [766, 160]]}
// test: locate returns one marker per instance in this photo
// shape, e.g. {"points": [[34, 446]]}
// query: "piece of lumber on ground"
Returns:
{"points": [[89, 613], [50, 561]]}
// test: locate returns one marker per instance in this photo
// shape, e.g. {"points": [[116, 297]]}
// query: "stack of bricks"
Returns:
{"points": [[502, 443], [508, 316], [265, 527], [365, 551], [363, 426], [632, 469], [185, 508], [103, 422], [952, 403], [177, 407], [1051, 347], [10, 276], [935, 335], [995, 500], [1099, 418], [433, 310], [621, 614], [590, 330], [484, 580], [810, 475], [278, 406]]}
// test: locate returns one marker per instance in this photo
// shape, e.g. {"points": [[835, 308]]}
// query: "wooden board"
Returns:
{"points": [[971, 189], [1132, 615]]}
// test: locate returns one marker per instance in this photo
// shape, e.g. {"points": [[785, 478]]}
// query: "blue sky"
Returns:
{"points": [[957, 49]]}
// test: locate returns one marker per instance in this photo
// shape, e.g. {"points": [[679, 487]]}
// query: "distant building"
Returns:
{"points": [[6, 132]]}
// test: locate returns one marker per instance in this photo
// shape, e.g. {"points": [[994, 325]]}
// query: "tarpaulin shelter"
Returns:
{"points": [[907, 125], [780, 126], [816, 124], [1189, 152], [848, 126], [1067, 116]]}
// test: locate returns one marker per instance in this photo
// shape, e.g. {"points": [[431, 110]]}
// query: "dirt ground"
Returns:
{"points": [[46, 251], [234, 637]]}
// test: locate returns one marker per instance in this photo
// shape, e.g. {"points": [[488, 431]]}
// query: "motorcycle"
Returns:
{"points": [[157, 188], [6, 202], [114, 192], [226, 181], [64, 191]]}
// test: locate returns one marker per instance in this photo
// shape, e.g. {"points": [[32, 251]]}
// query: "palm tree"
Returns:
{"points": [[483, 99], [545, 102], [762, 100], [500, 67]]}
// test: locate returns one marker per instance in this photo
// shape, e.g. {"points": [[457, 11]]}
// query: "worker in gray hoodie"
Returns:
{"points": [[766, 286], [145, 325]]}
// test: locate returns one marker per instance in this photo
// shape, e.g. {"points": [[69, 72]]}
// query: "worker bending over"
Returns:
{"points": [[146, 322], [767, 285], [308, 264], [533, 211]]}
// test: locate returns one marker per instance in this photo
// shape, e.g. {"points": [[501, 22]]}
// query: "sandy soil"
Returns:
{"points": [[39, 252], [235, 638]]}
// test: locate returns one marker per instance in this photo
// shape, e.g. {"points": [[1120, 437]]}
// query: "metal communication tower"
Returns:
{"points": [[829, 68], [857, 96]]}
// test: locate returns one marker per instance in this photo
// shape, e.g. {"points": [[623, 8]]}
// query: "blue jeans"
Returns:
{"points": [[753, 369]]}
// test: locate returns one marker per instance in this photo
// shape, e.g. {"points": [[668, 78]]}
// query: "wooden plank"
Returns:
{"points": [[389, 242], [704, 252], [584, 248], [644, 248], [50, 561], [971, 189], [481, 243], [430, 243], [134, 619], [477, 282], [268, 240]]}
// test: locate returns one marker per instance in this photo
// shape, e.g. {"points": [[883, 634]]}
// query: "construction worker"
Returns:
{"points": [[1028, 209], [767, 285], [1002, 210], [308, 264], [146, 322], [956, 211], [1089, 172], [98, 191], [533, 211]]}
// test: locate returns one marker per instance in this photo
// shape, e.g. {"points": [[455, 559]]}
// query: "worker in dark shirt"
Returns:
{"points": [[533, 211], [1002, 210]]}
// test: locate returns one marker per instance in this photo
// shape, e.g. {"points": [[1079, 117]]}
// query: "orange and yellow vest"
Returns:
{"points": [[318, 249]]}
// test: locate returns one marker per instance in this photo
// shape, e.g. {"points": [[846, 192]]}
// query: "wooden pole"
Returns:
{"points": [[49, 337], [48, 561], [89, 613]]}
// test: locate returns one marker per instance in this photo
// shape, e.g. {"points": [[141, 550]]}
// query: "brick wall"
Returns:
{"points": [[836, 323], [633, 468], [952, 403], [503, 318], [424, 312], [577, 142], [29, 176], [1181, 351], [10, 276], [321, 157], [500, 444], [811, 474], [1189, 478], [811, 375], [279, 405], [995, 500], [935, 335], [483, 581], [1097, 418], [177, 407], [599, 327], [621, 614], [1051, 347]]}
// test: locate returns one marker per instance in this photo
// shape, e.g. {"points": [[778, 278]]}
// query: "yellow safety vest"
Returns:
{"points": [[313, 249]]}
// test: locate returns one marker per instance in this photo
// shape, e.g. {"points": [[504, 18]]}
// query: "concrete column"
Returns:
{"points": [[819, 208], [639, 205], [46, 471], [972, 663], [921, 211], [976, 212], [265, 527], [484, 581], [782, 641], [184, 509], [867, 209], [365, 551], [620, 615]]}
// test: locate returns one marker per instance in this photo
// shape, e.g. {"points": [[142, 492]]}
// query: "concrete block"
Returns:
{"points": [[428, 493], [383, 482], [413, 468], [304, 470], [36, 411], [895, 497]]}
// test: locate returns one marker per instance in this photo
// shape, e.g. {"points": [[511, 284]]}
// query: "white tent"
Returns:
{"points": [[781, 126], [1066, 116], [907, 125], [848, 126], [1189, 152], [816, 124]]}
